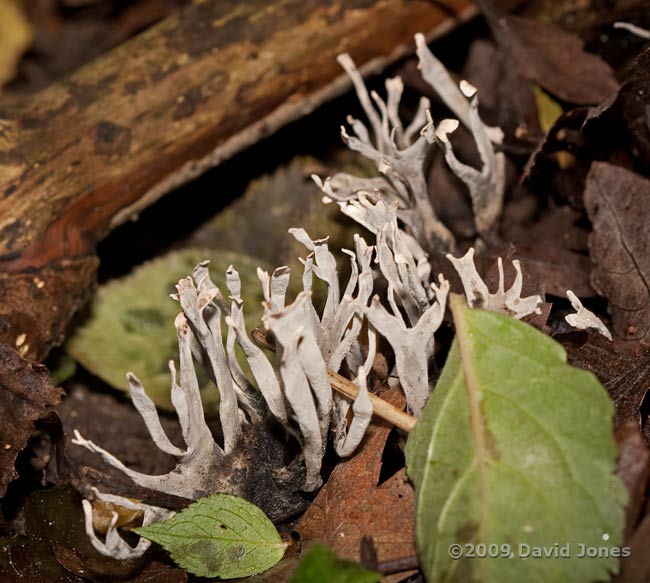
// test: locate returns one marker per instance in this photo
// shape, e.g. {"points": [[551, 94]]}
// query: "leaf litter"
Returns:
{"points": [[597, 185]]}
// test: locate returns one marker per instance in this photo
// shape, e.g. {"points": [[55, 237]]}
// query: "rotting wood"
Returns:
{"points": [[90, 152]]}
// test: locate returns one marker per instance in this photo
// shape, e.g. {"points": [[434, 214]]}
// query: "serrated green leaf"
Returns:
{"points": [[131, 326], [514, 447], [219, 536], [321, 564]]}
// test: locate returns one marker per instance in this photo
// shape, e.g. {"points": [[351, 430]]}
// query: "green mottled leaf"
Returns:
{"points": [[131, 326], [276, 202], [219, 536], [322, 564], [514, 447]]}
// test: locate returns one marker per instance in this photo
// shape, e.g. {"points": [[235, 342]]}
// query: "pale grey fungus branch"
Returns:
{"points": [[304, 377], [114, 545], [295, 388], [487, 185], [478, 295], [193, 476], [399, 155], [437, 76], [413, 346], [347, 440], [634, 29], [585, 319]]}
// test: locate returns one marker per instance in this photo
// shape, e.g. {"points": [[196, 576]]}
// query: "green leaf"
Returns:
{"points": [[514, 447], [321, 564], [219, 536], [272, 204], [131, 323]]}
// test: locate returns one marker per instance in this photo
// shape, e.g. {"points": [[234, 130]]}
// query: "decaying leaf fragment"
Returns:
{"points": [[623, 372], [514, 448], [552, 57], [623, 117], [352, 505], [26, 395], [618, 204]]}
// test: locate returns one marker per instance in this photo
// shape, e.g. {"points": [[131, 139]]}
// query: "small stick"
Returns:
{"points": [[346, 387], [380, 407]]}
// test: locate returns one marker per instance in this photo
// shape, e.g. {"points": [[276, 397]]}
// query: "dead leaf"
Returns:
{"points": [[547, 172], [26, 395], [352, 505], [624, 373], [625, 116], [551, 57], [553, 249], [635, 568], [633, 467], [618, 205], [55, 548]]}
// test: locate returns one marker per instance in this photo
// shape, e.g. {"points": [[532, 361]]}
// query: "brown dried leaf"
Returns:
{"points": [[624, 118], [618, 205], [552, 57], [26, 395], [624, 373], [352, 505], [559, 165], [635, 568], [553, 250], [633, 467]]}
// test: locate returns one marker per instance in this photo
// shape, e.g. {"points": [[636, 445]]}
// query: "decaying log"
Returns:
{"points": [[90, 152]]}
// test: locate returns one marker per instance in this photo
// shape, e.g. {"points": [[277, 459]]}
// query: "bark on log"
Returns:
{"points": [[88, 153]]}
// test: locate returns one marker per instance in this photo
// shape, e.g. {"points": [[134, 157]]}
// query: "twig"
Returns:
{"points": [[380, 407], [346, 387]]}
